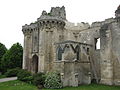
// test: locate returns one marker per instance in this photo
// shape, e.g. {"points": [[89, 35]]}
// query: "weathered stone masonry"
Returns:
{"points": [[54, 44]]}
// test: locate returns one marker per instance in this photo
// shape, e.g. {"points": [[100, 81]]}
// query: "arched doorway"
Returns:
{"points": [[35, 63]]}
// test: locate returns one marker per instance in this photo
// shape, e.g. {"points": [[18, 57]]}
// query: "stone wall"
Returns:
{"points": [[54, 44], [110, 54], [115, 33]]}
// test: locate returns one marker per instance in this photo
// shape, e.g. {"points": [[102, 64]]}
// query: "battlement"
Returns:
{"points": [[99, 24], [31, 26], [84, 26], [28, 28], [58, 11], [79, 26], [57, 17]]}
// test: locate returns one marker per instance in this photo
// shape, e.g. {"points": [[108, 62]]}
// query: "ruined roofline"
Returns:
{"points": [[57, 13], [27, 29], [71, 26], [31, 26], [85, 26], [55, 16]]}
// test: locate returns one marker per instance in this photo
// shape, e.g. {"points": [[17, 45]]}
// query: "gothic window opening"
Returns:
{"points": [[76, 50], [97, 43]]}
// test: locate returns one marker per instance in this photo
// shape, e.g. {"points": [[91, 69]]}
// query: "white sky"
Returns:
{"points": [[15, 13]]}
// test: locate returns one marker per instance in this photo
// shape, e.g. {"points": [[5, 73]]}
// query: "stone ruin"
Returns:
{"points": [[52, 43]]}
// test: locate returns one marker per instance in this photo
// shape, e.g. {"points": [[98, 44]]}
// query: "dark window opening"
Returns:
{"points": [[88, 51], [76, 50], [60, 51], [35, 63]]}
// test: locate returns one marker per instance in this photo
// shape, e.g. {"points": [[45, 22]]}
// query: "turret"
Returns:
{"points": [[29, 45], [58, 11], [55, 18], [51, 30], [26, 29]]}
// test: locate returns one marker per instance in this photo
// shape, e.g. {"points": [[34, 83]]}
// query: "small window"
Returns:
{"points": [[59, 52], [88, 51], [53, 22], [97, 43]]}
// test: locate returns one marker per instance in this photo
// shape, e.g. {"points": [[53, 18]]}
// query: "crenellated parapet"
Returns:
{"points": [[59, 12], [27, 29], [55, 18], [99, 24], [51, 23], [79, 26]]}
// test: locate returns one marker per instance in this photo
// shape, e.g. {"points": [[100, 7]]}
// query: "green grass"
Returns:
{"points": [[16, 85], [90, 87]]}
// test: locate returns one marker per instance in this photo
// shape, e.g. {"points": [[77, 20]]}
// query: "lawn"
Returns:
{"points": [[90, 87], [18, 85]]}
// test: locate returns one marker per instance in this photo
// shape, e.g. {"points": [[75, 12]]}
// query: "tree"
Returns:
{"points": [[3, 50], [12, 58]]}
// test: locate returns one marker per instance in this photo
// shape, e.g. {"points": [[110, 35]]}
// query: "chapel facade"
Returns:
{"points": [[52, 43]]}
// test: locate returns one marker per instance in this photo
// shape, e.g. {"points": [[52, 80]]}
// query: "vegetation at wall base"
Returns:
{"points": [[52, 81], [90, 87], [39, 79], [24, 75]]}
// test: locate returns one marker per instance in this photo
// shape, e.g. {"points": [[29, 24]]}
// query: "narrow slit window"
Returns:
{"points": [[97, 43]]}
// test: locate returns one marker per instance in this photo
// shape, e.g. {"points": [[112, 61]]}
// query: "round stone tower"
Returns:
{"points": [[51, 30]]}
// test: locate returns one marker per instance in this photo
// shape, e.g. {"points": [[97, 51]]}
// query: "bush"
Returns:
{"points": [[39, 79], [25, 76], [28, 79], [12, 72], [53, 81]]}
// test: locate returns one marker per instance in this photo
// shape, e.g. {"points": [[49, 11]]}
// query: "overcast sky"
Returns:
{"points": [[15, 13]]}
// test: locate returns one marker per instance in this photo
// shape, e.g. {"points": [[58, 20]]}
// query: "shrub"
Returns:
{"points": [[28, 79], [24, 75], [39, 79], [53, 81], [12, 72]]}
